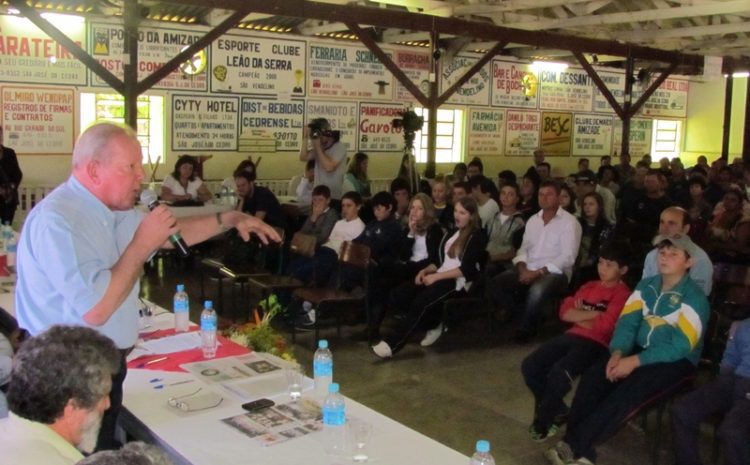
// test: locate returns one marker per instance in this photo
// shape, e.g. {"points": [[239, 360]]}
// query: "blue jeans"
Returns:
{"points": [[507, 291]]}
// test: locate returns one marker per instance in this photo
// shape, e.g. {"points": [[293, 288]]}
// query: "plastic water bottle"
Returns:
{"points": [[181, 308], [11, 247], [482, 456], [322, 369], [208, 330], [7, 234], [334, 421]]}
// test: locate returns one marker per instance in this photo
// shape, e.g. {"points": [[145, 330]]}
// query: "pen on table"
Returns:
{"points": [[160, 359], [181, 382]]}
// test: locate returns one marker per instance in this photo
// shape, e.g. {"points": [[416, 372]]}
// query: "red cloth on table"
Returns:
{"points": [[173, 361]]}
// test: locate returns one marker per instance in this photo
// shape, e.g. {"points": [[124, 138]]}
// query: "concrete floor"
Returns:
{"points": [[466, 387]]}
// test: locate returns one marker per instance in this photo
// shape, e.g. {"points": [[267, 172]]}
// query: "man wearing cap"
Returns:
{"points": [[676, 221], [657, 342], [586, 182]]}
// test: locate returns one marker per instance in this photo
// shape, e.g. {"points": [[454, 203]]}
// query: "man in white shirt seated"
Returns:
{"points": [[481, 190], [543, 264], [57, 396]]}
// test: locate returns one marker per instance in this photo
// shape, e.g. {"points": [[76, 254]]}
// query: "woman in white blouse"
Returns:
{"points": [[183, 184]]}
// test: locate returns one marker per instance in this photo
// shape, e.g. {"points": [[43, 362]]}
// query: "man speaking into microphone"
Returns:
{"points": [[83, 247]]}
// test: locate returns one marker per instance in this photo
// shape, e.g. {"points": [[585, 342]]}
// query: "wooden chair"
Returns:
{"points": [[324, 300]]}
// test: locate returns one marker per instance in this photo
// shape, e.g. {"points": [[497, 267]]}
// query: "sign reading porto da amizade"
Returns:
{"points": [[486, 132], [201, 123], [556, 133], [156, 46], [341, 115], [416, 66], [640, 136], [259, 66], [280, 120], [568, 90], [38, 120], [376, 133], [347, 71], [476, 91], [514, 85], [592, 135], [522, 132], [28, 55]]}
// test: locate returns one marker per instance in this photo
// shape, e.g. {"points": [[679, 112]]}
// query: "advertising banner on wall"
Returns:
{"points": [[416, 66], [347, 71], [513, 85], [258, 66], [203, 123], [592, 135], [28, 55], [282, 121], [38, 120], [640, 136], [155, 47], [522, 132], [486, 132], [570, 90], [669, 100], [376, 133], [615, 82], [341, 115], [556, 133], [476, 91]]}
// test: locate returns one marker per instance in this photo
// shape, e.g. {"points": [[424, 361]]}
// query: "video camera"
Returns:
{"points": [[321, 127]]}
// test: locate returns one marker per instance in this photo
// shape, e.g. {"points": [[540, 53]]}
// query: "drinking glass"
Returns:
{"points": [[360, 432], [294, 379]]}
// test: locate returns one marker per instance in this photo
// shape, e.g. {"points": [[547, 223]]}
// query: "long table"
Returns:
{"points": [[200, 438]]}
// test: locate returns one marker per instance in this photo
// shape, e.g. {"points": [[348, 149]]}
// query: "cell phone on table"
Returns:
{"points": [[259, 404]]}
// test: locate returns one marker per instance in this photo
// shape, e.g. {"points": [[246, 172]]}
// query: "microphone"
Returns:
{"points": [[150, 199]]}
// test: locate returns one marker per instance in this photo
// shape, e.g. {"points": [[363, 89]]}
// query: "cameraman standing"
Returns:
{"points": [[329, 155]]}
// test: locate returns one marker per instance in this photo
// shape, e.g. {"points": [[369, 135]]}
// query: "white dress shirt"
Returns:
{"points": [[553, 245]]}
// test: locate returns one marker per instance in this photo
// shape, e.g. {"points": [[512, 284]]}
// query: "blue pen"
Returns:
{"points": [[155, 380], [159, 386]]}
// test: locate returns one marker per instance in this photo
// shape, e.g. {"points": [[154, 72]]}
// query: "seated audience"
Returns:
{"points": [[728, 234], [538, 156], [356, 178], [631, 190], [400, 191], [725, 396], [642, 218], [657, 343], [593, 310], [458, 175], [132, 453], [544, 263], [182, 184], [506, 232], [606, 160], [257, 200], [6, 364], [322, 217], [443, 208], [421, 300], [407, 172], [674, 221], [58, 392], [625, 170], [568, 199], [698, 208], [305, 187], [544, 170], [583, 165], [596, 231], [459, 190], [720, 178], [529, 203], [481, 190], [608, 178], [586, 182], [244, 165], [678, 182], [506, 177], [474, 168]]}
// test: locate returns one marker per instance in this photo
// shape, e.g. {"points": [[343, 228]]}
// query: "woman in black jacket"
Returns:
{"points": [[461, 254]]}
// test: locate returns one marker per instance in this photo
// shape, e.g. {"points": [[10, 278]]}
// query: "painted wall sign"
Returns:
{"points": [[474, 92], [156, 46], [592, 135], [522, 132], [615, 82], [376, 134], [557, 128], [38, 120], [203, 123], [569, 90], [258, 66], [640, 136], [508, 86], [416, 66], [669, 100], [347, 71], [283, 121], [342, 116], [28, 55], [486, 132]]}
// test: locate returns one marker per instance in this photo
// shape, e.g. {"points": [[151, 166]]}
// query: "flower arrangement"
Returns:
{"points": [[260, 336]]}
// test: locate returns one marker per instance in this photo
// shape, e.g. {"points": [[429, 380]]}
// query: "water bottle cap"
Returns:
{"points": [[208, 304], [323, 344], [483, 446], [333, 387], [180, 288]]}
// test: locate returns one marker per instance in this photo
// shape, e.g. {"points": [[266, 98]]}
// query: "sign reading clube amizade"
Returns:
{"points": [[156, 46], [592, 135], [258, 66], [281, 120], [204, 123], [28, 55], [344, 71], [474, 92]]}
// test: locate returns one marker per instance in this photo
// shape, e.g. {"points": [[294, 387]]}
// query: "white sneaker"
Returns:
{"points": [[432, 336], [382, 350]]}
